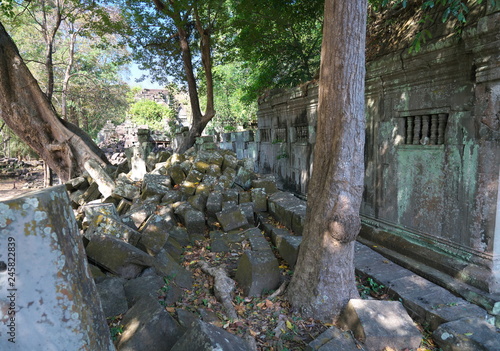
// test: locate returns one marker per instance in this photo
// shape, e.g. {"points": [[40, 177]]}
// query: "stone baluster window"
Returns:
{"points": [[425, 129], [265, 135], [280, 135], [302, 134]]}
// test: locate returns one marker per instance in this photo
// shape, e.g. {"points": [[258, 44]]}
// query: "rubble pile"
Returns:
{"points": [[138, 217]]}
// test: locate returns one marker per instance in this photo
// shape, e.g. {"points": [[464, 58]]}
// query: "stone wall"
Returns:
{"points": [[432, 151]]}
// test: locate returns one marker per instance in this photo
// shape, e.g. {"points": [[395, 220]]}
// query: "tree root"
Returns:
{"points": [[223, 287]]}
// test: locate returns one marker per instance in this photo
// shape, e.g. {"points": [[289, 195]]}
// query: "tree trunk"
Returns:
{"points": [[27, 111], [324, 279]]}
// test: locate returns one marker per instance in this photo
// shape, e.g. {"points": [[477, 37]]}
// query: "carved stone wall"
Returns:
{"points": [[432, 151]]}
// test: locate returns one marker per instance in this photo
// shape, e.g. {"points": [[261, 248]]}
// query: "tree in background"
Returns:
{"points": [[324, 281], [156, 116], [174, 40]]}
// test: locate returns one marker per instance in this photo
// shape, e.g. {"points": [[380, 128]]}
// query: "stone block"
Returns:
{"points": [[92, 210], [257, 241], [249, 211], [177, 174], [258, 271], [112, 295], [104, 225], [289, 249], [214, 171], [125, 188], [203, 336], [259, 198], [380, 324], [467, 334], [140, 287], [230, 195], [78, 183], [333, 339], [198, 202], [171, 197], [230, 161], [244, 178], [244, 197], [154, 233], [155, 184], [117, 256], [180, 234], [232, 218], [194, 176], [147, 326], [269, 184], [167, 267], [104, 182], [48, 299], [138, 214]]}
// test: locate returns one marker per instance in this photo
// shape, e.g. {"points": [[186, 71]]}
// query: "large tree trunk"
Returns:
{"points": [[27, 111], [324, 279]]}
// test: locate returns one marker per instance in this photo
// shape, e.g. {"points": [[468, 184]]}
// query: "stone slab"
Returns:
{"points": [[257, 272], [380, 324], [48, 299], [467, 334]]}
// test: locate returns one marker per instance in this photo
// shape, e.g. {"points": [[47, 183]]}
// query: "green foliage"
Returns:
{"points": [[232, 110], [156, 116], [279, 41], [455, 11]]}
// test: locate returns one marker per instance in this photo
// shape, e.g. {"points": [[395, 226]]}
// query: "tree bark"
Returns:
{"points": [[30, 115], [324, 279]]}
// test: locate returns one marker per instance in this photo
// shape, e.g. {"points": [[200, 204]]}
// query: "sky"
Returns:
{"points": [[136, 73]]}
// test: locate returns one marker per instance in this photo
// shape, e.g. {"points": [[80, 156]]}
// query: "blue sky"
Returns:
{"points": [[136, 73]]}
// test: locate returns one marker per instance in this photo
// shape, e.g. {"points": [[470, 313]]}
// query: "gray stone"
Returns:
{"points": [[230, 161], [117, 256], [147, 326], [105, 184], [380, 324], [155, 184], [203, 336], [136, 289], [257, 272], [289, 249], [244, 197], [110, 226], [92, 210], [194, 176], [171, 197], [248, 210], [125, 188], [155, 233], [186, 318], [56, 305], [198, 202], [138, 214], [230, 195], [232, 218], [137, 163], [244, 178], [112, 295], [177, 174], [78, 183], [257, 241], [214, 203], [180, 234], [259, 198], [214, 171], [467, 334], [333, 339], [269, 184], [167, 267]]}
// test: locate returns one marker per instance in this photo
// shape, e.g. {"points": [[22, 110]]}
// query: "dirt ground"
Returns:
{"points": [[11, 187]]}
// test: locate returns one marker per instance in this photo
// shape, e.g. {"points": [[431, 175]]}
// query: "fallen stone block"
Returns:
{"points": [[244, 178], [92, 210], [125, 188], [333, 339], [177, 174], [110, 226], [136, 289], [259, 198], [248, 210], [268, 183], [166, 266], [289, 249], [117, 256], [112, 295], [467, 334], [155, 184], [257, 241], [230, 161], [202, 336], [198, 202], [232, 218], [137, 215], [258, 271], [214, 203], [244, 197], [154, 234], [380, 324], [57, 306], [230, 195], [147, 326], [137, 163], [194, 176], [105, 184]]}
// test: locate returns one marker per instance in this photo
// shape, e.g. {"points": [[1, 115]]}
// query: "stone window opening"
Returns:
{"points": [[425, 129], [302, 134], [280, 135]]}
